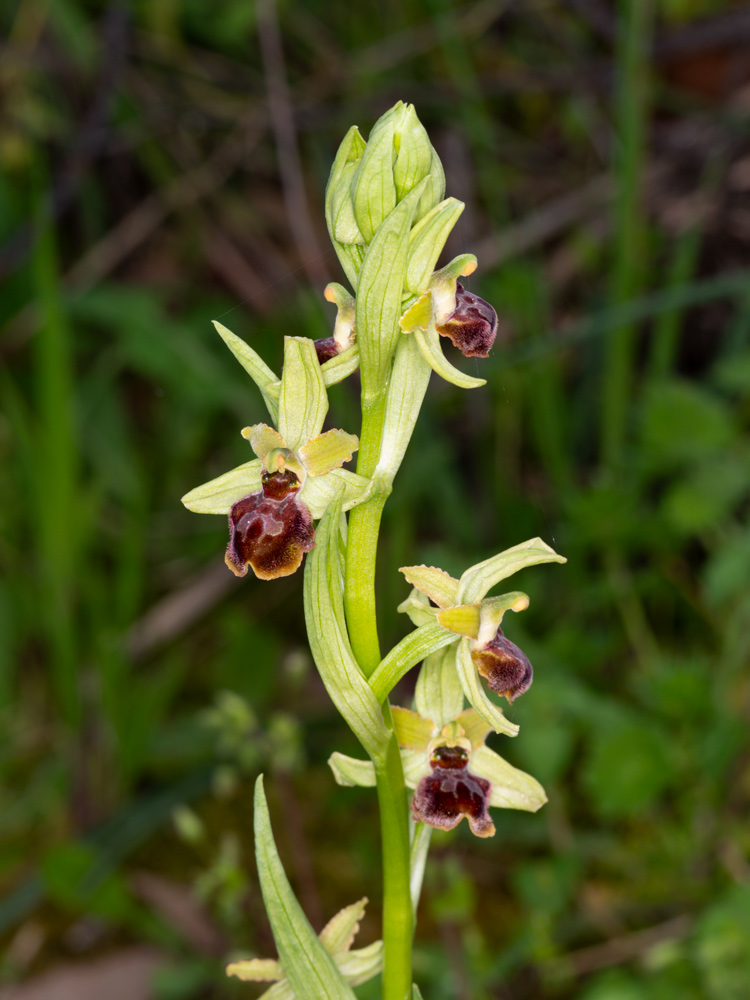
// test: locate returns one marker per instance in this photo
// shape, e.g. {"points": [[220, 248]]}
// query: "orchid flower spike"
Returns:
{"points": [[273, 499], [445, 759], [481, 650]]}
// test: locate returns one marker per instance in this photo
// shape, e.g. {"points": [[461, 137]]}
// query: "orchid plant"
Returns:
{"points": [[388, 220]]}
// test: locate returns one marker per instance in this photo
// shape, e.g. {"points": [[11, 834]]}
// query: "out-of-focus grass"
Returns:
{"points": [[141, 690]]}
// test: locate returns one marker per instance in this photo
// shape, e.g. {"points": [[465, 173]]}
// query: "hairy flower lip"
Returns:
{"points": [[472, 326], [269, 531], [449, 793], [505, 667]]}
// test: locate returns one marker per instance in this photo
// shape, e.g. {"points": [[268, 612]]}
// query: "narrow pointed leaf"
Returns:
{"points": [[479, 579], [340, 931], [412, 649], [379, 293], [438, 585], [429, 344], [253, 364], [328, 451], [303, 402], [319, 491], [476, 695], [410, 377], [350, 772], [309, 968], [218, 495], [511, 788], [329, 641], [426, 242], [439, 694]]}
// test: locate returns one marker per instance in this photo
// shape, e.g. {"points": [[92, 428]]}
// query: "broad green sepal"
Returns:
{"points": [[373, 186], [340, 931], [303, 402], [361, 964], [439, 695], [379, 294], [254, 365], [413, 731], [479, 579], [410, 376], [328, 451], [438, 585], [417, 606], [511, 788], [426, 242], [338, 205], [219, 495], [350, 772], [475, 693], [341, 367], [412, 649], [329, 641], [429, 344], [310, 970], [319, 492]]}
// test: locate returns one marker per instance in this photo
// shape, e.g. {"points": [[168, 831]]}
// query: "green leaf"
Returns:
{"points": [[329, 641], [476, 695], [426, 242], [439, 694], [411, 650], [311, 971], [683, 422], [479, 579], [303, 402], [219, 495], [253, 364], [379, 293]]}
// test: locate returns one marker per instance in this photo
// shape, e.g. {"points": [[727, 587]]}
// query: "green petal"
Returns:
{"points": [[412, 649], [511, 788], [253, 364], [256, 970], [476, 695], [341, 367], [263, 439], [417, 606], [329, 640], [328, 451], [362, 964], [479, 579], [413, 731], [220, 494], [439, 694], [309, 968], [426, 242], [319, 492], [340, 931], [438, 585], [303, 402], [350, 772], [463, 619], [428, 342]]}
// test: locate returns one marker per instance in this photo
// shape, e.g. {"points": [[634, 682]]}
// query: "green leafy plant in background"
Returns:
{"points": [[388, 221]]}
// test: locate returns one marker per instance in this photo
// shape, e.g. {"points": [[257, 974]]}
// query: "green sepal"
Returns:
{"points": [[439, 694], [254, 365], [414, 152], [410, 376], [479, 579], [328, 451], [476, 695], [256, 970], [428, 342], [426, 242], [310, 970], [417, 606], [303, 402], [318, 492], [434, 191], [329, 641], [219, 495], [360, 964], [340, 931], [412, 649], [438, 585], [341, 367], [511, 788], [338, 207], [373, 187], [379, 294], [350, 772]]}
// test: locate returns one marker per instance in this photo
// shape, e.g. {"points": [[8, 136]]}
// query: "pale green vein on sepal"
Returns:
{"points": [[350, 772], [253, 364], [475, 693], [319, 491], [410, 376], [406, 654], [341, 367], [303, 402], [338, 205], [426, 241], [511, 788], [329, 641], [429, 344], [310, 970], [438, 585], [439, 695], [479, 579], [219, 495]]}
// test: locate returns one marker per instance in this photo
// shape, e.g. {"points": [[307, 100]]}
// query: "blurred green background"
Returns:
{"points": [[163, 164]]}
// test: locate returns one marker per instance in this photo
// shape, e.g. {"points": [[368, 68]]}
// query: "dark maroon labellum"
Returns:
{"points": [[270, 530], [506, 667], [326, 348], [472, 325], [444, 797]]}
